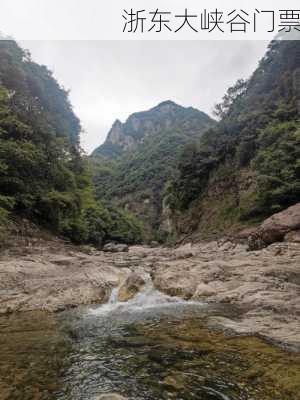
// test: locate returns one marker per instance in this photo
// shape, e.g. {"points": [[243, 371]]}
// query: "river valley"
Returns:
{"points": [[206, 321]]}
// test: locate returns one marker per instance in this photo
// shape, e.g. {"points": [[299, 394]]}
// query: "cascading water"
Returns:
{"points": [[148, 298], [152, 347]]}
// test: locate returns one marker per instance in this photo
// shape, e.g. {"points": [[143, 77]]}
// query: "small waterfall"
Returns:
{"points": [[113, 296], [147, 298]]}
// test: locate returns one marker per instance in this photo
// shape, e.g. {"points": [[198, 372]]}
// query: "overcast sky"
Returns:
{"points": [[112, 79]]}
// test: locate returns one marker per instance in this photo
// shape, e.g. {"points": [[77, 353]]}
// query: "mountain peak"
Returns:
{"points": [[167, 105], [162, 119], [117, 123]]}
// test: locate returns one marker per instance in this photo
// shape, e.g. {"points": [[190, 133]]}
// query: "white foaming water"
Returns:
{"points": [[147, 298]]}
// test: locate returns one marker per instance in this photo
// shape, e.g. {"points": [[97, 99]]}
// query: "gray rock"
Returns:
{"points": [[204, 290], [185, 251], [115, 248]]}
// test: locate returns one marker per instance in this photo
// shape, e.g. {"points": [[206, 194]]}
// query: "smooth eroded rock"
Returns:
{"points": [[204, 290], [131, 287]]}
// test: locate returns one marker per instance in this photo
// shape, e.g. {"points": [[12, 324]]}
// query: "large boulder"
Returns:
{"points": [[275, 228], [131, 287]]}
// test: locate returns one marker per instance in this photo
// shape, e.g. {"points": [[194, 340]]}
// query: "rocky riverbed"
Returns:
{"points": [[263, 284]]}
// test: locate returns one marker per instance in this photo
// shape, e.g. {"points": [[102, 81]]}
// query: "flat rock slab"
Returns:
{"points": [[265, 283]]}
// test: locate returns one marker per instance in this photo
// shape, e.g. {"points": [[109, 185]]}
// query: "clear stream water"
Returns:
{"points": [[152, 347]]}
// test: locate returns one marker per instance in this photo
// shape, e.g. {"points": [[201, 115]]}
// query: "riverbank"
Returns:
{"points": [[264, 284]]}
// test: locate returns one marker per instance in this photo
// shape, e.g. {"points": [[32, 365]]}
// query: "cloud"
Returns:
{"points": [[112, 79]]}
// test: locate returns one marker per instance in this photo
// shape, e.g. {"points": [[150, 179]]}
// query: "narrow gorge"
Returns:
{"points": [[165, 264]]}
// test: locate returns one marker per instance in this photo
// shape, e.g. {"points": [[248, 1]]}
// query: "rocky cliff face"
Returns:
{"points": [[166, 116], [116, 136]]}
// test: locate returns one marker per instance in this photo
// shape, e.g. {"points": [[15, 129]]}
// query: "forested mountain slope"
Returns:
{"points": [[43, 173], [138, 157], [247, 167]]}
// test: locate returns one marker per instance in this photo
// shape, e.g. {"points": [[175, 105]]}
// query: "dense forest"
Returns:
{"points": [[44, 175], [247, 167]]}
